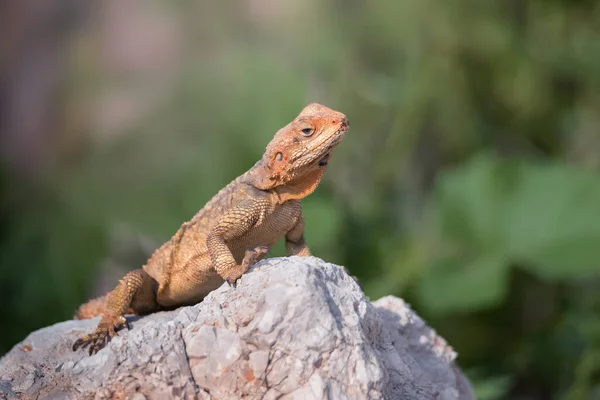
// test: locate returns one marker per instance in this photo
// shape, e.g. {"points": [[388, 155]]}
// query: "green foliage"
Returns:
{"points": [[492, 215], [44, 265], [491, 388], [454, 286]]}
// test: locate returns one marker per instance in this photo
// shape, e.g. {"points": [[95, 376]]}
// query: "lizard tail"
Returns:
{"points": [[92, 308]]}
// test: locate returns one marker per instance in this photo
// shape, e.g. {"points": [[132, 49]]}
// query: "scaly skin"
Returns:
{"points": [[232, 232]]}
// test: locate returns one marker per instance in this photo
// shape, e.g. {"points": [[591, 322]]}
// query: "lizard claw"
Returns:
{"points": [[107, 328], [232, 283], [254, 255], [251, 257], [233, 278]]}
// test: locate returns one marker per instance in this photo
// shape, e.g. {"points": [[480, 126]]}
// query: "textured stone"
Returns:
{"points": [[293, 328]]}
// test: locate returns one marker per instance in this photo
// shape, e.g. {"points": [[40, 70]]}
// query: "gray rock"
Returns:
{"points": [[293, 328]]}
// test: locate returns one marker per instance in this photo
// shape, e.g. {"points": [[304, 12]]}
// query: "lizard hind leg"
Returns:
{"points": [[95, 307], [135, 292]]}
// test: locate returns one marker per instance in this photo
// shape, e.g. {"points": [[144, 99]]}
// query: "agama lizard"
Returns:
{"points": [[233, 231]]}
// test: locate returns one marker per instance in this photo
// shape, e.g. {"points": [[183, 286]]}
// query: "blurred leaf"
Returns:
{"points": [[499, 214], [537, 215], [452, 286], [472, 201], [551, 225], [491, 388]]}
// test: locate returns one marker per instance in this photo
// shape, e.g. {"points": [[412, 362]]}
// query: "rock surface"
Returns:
{"points": [[293, 328]]}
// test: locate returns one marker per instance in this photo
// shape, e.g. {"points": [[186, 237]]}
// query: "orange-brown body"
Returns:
{"points": [[233, 231]]}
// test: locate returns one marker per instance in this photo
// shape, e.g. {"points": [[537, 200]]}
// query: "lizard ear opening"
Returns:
{"points": [[269, 171], [275, 161], [264, 178]]}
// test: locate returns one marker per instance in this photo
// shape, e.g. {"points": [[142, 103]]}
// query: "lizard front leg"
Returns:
{"points": [[295, 245], [234, 225], [136, 290]]}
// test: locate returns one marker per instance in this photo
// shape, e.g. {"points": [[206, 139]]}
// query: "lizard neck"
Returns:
{"points": [[299, 188], [261, 177]]}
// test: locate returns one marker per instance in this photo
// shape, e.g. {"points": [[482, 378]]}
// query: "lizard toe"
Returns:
{"points": [[232, 282], [86, 340], [114, 325], [81, 342], [262, 249], [254, 255], [107, 328], [101, 339]]}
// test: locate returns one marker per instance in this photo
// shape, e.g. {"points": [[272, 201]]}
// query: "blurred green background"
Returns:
{"points": [[468, 184]]}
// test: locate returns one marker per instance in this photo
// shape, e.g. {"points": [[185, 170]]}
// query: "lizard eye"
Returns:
{"points": [[307, 131], [279, 156]]}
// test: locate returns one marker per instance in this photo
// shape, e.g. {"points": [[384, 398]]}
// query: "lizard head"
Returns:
{"points": [[299, 153]]}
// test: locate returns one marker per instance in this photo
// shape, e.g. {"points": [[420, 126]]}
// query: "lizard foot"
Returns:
{"points": [[107, 328], [251, 257]]}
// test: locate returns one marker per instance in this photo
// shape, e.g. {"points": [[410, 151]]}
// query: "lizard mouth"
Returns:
{"points": [[339, 135], [324, 160]]}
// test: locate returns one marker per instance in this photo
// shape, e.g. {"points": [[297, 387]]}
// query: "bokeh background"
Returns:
{"points": [[468, 184]]}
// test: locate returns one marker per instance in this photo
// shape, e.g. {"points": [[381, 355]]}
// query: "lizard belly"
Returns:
{"points": [[189, 284]]}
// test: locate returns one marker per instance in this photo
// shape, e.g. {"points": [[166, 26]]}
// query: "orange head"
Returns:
{"points": [[300, 151]]}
